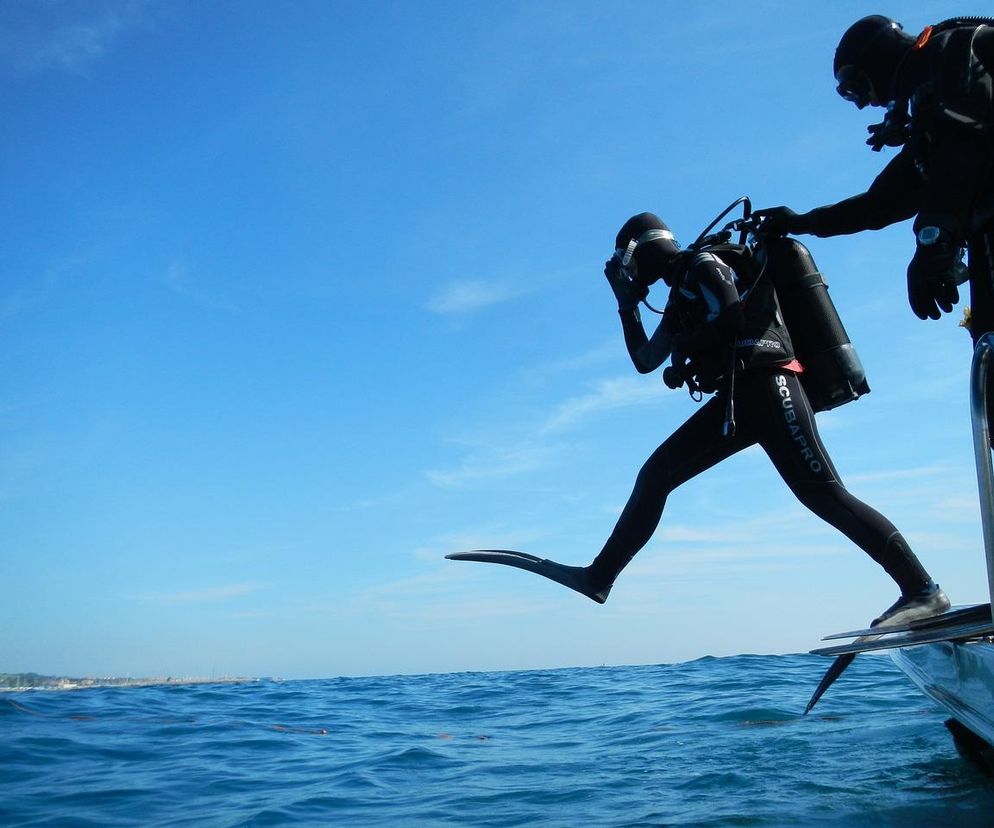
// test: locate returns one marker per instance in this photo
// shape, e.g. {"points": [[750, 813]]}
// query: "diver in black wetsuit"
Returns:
{"points": [[724, 331], [938, 90]]}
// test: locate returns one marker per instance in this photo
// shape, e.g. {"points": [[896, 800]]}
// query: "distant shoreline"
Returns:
{"points": [[19, 682]]}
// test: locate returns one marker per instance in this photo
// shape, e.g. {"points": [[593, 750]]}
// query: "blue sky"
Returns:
{"points": [[298, 298]]}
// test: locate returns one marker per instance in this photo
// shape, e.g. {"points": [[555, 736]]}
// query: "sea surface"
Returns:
{"points": [[713, 742]]}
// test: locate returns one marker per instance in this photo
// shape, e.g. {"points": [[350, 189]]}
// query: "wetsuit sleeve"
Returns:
{"points": [[895, 195], [647, 353], [715, 283]]}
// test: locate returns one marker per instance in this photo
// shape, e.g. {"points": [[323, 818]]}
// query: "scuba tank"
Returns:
{"points": [[833, 374]]}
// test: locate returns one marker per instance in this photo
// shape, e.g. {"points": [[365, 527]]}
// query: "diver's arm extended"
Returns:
{"points": [[647, 353], [895, 195]]}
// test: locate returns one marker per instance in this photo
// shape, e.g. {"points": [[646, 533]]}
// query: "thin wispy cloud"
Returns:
{"points": [[758, 531], [607, 395], [470, 296], [451, 592], [943, 493], [931, 472], [489, 459], [497, 536], [34, 289], [24, 299], [699, 562], [610, 352], [67, 35], [487, 463], [204, 595], [178, 279]]}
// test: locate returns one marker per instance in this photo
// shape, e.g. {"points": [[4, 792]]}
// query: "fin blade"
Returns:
{"points": [[572, 577], [836, 669], [508, 557], [978, 612], [888, 640]]}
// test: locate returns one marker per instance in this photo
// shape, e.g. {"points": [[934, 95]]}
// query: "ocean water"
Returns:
{"points": [[713, 742]]}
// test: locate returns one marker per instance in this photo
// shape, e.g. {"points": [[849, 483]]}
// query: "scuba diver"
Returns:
{"points": [[937, 89], [724, 334]]}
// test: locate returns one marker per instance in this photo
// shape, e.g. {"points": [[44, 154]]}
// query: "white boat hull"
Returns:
{"points": [[959, 677]]}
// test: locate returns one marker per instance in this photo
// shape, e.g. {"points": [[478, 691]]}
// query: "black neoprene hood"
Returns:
{"points": [[653, 251], [874, 45]]}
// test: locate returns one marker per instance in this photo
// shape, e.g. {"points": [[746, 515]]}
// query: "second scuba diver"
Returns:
{"points": [[938, 89], [723, 330]]}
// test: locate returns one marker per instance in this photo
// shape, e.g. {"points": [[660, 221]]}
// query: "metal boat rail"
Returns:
{"points": [[980, 377]]}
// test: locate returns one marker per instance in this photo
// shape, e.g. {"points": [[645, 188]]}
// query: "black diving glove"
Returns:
{"points": [[780, 221], [932, 279], [893, 131], [886, 134], [628, 292]]}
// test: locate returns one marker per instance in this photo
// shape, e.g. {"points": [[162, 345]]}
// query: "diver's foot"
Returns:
{"points": [[591, 589], [930, 601], [577, 578]]}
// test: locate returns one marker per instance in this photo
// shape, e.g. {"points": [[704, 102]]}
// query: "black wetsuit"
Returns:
{"points": [[944, 174], [771, 409]]}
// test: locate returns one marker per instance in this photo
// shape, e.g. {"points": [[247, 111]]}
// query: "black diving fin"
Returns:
{"points": [[950, 618], [575, 577], [959, 625], [837, 668]]}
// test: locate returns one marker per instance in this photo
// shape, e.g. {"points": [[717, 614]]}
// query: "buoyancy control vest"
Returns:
{"points": [[787, 301], [764, 338], [960, 94], [724, 316]]}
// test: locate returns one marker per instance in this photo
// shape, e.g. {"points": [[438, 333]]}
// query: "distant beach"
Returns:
{"points": [[36, 681]]}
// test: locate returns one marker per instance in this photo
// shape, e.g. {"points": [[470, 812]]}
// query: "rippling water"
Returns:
{"points": [[712, 742]]}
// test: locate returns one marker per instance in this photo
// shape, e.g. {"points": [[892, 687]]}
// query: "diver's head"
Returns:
{"points": [[867, 59], [646, 249]]}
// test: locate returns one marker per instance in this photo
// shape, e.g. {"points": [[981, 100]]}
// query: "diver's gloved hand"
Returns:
{"points": [[893, 131], [779, 221], [628, 292], [931, 279], [887, 134]]}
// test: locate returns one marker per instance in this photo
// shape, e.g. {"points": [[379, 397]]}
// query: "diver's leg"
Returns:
{"points": [[792, 442], [694, 447]]}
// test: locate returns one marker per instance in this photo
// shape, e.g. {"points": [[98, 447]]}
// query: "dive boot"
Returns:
{"points": [[930, 601]]}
